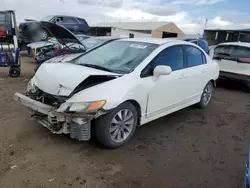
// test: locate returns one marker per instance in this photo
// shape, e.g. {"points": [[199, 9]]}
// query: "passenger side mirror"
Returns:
{"points": [[162, 70]]}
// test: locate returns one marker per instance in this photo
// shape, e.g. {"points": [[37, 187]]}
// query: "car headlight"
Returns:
{"points": [[31, 88], [82, 106]]}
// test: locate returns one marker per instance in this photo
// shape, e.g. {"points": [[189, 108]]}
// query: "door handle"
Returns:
{"points": [[182, 77], [204, 70]]}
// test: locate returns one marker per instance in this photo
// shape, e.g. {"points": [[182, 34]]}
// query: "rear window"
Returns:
{"points": [[240, 51], [222, 50]]}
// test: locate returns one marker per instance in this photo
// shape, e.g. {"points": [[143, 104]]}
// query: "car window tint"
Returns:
{"points": [[69, 20], [81, 21], [193, 56], [172, 56], [240, 51], [222, 50]]}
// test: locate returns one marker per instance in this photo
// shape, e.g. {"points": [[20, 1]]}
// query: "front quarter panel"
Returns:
{"points": [[115, 92]]}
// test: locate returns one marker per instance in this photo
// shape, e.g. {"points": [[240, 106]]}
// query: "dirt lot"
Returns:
{"points": [[192, 148]]}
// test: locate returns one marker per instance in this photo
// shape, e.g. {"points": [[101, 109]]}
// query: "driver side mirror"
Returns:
{"points": [[162, 70]]}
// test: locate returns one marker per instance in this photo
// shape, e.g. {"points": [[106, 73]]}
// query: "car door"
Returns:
{"points": [[197, 72], [166, 92]]}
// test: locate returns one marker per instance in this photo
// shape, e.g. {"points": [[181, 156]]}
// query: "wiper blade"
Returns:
{"points": [[97, 67]]}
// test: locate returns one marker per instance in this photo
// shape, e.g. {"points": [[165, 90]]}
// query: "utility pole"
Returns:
{"points": [[205, 27], [206, 23]]}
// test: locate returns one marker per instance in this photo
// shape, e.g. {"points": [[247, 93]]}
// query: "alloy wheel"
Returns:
{"points": [[121, 125], [207, 94]]}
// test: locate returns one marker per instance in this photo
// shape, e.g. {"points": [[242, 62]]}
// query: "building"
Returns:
{"points": [[139, 29], [217, 36]]}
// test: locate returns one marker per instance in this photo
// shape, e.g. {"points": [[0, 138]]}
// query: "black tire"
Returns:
{"points": [[103, 124], [248, 84], [14, 72], [203, 103]]}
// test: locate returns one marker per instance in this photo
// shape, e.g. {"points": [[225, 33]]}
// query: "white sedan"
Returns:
{"points": [[119, 86]]}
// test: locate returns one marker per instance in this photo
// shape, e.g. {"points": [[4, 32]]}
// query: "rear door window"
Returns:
{"points": [[69, 20], [194, 56]]}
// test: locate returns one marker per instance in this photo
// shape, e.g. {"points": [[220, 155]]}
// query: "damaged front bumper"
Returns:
{"points": [[77, 125]]}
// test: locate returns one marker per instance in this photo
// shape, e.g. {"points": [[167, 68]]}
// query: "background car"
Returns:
{"points": [[200, 42], [234, 61], [67, 43], [120, 85], [35, 48], [73, 24]]}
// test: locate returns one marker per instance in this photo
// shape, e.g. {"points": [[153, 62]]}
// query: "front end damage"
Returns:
{"points": [[48, 111]]}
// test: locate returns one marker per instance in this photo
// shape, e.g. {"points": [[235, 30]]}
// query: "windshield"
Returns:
{"points": [[92, 42], [118, 56], [46, 18]]}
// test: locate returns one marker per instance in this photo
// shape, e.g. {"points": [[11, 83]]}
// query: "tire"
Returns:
{"points": [[109, 125], [43, 35], [206, 96], [248, 84], [14, 72]]}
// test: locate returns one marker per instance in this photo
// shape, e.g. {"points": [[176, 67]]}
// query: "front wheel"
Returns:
{"points": [[206, 95], [117, 127]]}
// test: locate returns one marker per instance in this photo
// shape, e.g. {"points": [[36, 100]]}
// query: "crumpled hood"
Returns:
{"points": [[62, 78]]}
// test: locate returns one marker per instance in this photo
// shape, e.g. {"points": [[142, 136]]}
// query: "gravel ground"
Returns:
{"points": [[192, 148]]}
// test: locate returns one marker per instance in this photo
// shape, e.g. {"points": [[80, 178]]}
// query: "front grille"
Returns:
{"points": [[46, 98]]}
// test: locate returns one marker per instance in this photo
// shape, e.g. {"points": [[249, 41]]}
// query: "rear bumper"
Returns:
{"points": [[234, 76], [58, 123]]}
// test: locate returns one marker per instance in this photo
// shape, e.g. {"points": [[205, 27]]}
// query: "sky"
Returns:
{"points": [[188, 15]]}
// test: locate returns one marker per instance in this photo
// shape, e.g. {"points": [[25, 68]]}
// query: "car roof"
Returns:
{"points": [[244, 44], [159, 41]]}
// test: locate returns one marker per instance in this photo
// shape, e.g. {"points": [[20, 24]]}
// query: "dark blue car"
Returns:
{"points": [[74, 24], [200, 42]]}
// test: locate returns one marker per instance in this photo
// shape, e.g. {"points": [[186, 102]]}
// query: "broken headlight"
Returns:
{"points": [[81, 106], [31, 88]]}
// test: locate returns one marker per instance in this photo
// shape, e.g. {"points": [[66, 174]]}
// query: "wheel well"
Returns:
{"points": [[138, 108], [213, 82]]}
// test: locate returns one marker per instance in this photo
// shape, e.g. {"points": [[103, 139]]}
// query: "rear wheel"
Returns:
{"points": [[117, 127], [206, 95], [14, 71]]}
